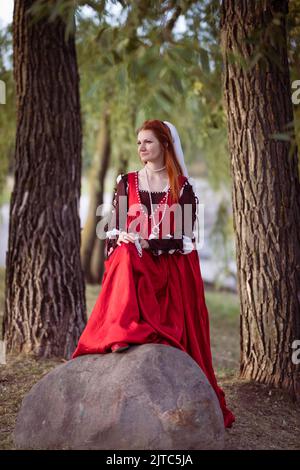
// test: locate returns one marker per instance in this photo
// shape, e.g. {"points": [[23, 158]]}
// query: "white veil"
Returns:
{"points": [[180, 157]]}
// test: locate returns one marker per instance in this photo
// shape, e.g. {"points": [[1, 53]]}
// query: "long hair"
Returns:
{"points": [[163, 134]]}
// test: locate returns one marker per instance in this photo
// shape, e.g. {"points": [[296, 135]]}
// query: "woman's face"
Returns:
{"points": [[149, 147]]}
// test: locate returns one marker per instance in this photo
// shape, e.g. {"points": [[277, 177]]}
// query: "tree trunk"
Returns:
{"points": [[45, 302], [266, 192], [90, 243]]}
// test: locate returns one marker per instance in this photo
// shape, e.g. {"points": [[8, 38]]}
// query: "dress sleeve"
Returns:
{"points": [[115, 225], [188, 201]]}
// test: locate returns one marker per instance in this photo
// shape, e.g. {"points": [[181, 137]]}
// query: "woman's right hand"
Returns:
{"points": [[125, 237]]}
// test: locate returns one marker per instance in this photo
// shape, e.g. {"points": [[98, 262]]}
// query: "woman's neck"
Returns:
{"points": [[155, 172], [157, 180], [155, 167]]}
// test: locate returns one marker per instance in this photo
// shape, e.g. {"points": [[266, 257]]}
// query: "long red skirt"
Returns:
{"points": [[152, 299]]}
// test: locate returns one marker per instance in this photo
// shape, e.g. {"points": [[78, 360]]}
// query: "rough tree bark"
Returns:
{"points": [[45, 302], [266, 191]]}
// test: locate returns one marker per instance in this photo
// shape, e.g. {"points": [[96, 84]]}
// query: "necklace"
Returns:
{"points": [[159, 169], [155, 227], [139, 199]]}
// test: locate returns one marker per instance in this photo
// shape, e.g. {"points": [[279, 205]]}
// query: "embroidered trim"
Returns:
{"points": [[138, 187], [162, 202], [146, 190]]}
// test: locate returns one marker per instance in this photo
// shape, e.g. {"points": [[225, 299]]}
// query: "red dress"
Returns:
{"points": [[152, 299]]}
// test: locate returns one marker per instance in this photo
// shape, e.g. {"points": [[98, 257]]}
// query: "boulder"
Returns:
{"points": [[152, 396]]}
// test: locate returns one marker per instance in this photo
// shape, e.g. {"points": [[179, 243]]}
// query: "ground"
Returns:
{"points": [[266, 418]]}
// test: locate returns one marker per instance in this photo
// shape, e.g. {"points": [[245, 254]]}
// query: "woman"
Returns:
{"points": [[152, 289]]}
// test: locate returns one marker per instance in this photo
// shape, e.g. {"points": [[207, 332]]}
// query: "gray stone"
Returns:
{"points": [[152, 396]]}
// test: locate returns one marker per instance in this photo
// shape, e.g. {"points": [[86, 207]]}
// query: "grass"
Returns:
{"points": [[223, 308], [16, 379], [266, 418]]}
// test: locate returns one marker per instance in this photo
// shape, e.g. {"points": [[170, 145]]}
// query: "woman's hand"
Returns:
{"points": [[125, 237], [144, 243], [130, 237]]}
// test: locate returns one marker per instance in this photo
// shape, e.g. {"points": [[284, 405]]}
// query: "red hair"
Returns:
{"points": [[163, 134]]}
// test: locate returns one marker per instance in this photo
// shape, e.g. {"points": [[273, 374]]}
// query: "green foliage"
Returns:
{"points": [[143, 76], [7, 111], [136, 59], [138, 68]]}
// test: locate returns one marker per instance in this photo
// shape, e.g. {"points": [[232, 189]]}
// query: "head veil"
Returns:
{"points": [[180, 157]]}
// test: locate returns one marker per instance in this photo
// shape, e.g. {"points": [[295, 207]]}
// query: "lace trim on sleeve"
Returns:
{"points": [[112, 233]]}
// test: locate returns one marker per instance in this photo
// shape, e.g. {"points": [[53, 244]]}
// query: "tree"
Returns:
{"points": [[45, 302], [266, 190]]}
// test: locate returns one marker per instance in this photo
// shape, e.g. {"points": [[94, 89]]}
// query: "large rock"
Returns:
{"points": [[152, 396]]}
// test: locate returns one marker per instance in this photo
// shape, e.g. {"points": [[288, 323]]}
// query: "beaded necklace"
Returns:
{"points": [[155, 227]]}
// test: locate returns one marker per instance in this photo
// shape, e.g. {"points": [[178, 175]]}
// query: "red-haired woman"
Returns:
{"points": [[152, 289]]}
